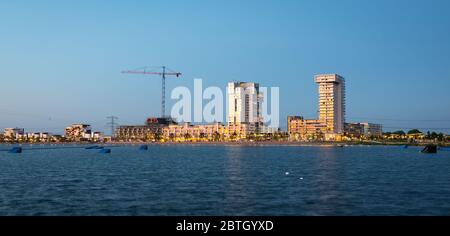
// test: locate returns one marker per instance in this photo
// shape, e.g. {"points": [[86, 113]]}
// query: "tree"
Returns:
{"points": [[234, 136], [150, 137], [433, 135], [187, 136], [158, 136], [399, 132], [276, 136], [441, 137], [216, 136], [414, 131], [251, 136]]}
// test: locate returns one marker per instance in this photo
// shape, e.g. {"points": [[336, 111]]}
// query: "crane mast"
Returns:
{"points": [[163, 93], [164, 74]]}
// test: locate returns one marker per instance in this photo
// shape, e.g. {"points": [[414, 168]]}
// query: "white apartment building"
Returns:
{"points": [[77, 131], [14, 132], [365, 129], [371, 129], [244, 103], [332, 102], [39, 135]]}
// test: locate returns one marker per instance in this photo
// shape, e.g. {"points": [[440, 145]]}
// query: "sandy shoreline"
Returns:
{"points": [[250, 144]]}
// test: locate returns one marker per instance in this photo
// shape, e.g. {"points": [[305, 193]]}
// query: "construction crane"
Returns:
{"points": [[162, 71]]}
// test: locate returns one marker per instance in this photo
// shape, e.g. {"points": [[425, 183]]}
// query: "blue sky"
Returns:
{"points": [[61, 60]]}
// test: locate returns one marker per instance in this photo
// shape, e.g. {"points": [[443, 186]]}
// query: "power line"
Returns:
{"points": [[388, 119], [423, 128]]}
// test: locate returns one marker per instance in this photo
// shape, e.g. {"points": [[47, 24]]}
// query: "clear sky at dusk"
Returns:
{"points": [[61, 60]]}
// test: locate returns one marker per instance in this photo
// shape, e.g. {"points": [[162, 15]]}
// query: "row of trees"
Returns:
{"points": [[50, 139], [215, 137], [401, 132], [429, 135]]}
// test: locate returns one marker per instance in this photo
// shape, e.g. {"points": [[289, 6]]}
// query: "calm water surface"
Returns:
{"points": [[225, 180]]}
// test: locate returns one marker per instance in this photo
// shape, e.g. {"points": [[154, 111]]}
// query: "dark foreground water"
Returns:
{"points": [[225, 180]]}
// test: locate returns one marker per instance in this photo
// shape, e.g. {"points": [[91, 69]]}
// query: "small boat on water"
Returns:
{"points": [[15, 150], [105, 151], [430, 149], [143, 148], [94, 147], [405, 146]]}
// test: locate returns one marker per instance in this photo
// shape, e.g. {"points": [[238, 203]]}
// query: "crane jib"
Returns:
{"points": [[163, 75]]}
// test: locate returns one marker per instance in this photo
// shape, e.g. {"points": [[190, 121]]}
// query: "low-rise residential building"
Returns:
{"points": [[14, 133], [181, 132], [93, 136], [18, 134], [132, 132], [416, 136], [80, 132], [268, 130], [76, 132], [371, 129], [157, 129], [395, 136], [153, 127], [306, 129], [241, 130], [215, 132], [354, 130], [363, 130], [38, 135]]}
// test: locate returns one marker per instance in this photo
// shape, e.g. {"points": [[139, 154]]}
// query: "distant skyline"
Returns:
{"points": [[61, 60]]}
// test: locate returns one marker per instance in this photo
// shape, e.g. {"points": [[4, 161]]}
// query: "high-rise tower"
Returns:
{"points": [[332, 102], [244, 103]]}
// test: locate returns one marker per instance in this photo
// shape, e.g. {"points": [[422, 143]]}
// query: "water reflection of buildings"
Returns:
{"points": [[239, 189], [325, 182]]}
